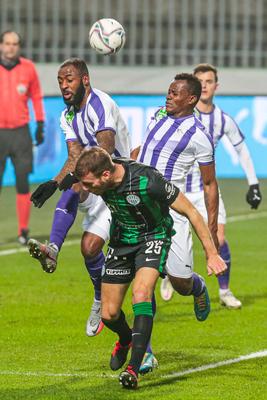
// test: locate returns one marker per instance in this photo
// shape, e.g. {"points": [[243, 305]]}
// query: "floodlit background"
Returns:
{"points": [[163, 38]]}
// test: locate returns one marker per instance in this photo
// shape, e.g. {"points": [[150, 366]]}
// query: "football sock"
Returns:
{"points": [[23, 205], [198, 285], [64, 216], [142, 328], [224, 279], [154, 308], [94, 268], [121, 327]]}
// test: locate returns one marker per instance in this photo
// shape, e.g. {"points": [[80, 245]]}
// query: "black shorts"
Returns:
{"points": [[122, 262], [16, 144]]}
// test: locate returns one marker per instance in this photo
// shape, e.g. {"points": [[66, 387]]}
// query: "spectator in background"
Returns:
{"points": [[19, 83]]}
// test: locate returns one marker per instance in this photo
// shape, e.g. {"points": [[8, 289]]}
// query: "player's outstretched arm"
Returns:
{"points": [[215, 263], [211, 196]]}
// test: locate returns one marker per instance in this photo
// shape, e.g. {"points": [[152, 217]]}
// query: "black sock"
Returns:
{"points": [[140, 337], [121, 327]]}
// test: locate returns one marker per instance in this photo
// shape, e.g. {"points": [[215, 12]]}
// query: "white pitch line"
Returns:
{"points": [[244, 217], [234, 218], [258, 354]]}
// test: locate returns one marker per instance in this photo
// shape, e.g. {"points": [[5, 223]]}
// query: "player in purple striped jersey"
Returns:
{"points": [[91, 118], [175, 138], [219, 124]]}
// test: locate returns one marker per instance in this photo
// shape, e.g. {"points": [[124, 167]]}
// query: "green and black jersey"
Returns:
{"points": [[140, 205]]}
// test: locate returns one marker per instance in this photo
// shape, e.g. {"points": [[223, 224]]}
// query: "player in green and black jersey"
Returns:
{"points": [[139, 198]]}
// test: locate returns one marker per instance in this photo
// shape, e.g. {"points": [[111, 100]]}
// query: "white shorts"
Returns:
{"points": [[180, 258], [197, 199], [98, 218]]}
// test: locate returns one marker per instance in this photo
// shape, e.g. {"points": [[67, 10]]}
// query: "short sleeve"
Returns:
{"points": [[161, 189], [101, 114], [204, 148]]}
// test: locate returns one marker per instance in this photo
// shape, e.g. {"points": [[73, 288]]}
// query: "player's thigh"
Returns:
{"points": [[222, 211], [21, 153], [112, 296], [5, 140], [198, 200], [97, 218], [180, 258], [153, 253]]}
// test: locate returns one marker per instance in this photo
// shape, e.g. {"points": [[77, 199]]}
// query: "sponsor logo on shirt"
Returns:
{"points": [[121, 272], [133, 199]]}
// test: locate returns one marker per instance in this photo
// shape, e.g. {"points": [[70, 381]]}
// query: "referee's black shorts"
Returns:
{"points": [[16, 144]]}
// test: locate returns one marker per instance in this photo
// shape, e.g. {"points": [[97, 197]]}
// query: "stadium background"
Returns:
{"points": [[163, 38]]}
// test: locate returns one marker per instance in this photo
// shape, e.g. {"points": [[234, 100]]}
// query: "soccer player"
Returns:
{"points": [[174, 140], [91, 118], [139, 198], [219, 124], [19, 83]]}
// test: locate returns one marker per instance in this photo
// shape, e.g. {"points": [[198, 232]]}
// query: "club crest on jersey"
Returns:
{"points": [[133, 199]]}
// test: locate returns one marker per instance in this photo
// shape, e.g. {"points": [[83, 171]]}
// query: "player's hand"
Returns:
{"points": [[216, 265], [43, 192], [254, 196], [68, 181], [39, 133]]}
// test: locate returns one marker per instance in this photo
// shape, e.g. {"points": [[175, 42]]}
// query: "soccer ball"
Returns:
{"points": [[107, 36]]}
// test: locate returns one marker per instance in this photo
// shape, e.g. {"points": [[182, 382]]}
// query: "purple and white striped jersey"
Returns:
{"points": [[172, 145], [217, 123], [100, 113]]}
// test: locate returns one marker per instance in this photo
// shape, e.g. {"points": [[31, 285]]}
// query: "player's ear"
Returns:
{"points": [[106, 174], [193, 99], [86, 80]]}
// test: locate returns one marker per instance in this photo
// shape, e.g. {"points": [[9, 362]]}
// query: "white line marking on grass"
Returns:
{"points": [[258, 354], [234, 218], [250, 356], [244, 217]]}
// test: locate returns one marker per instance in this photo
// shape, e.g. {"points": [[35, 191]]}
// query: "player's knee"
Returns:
{"points": [[22, 184], [183, 286], [141, 294], [91, 246], [109, 313]]}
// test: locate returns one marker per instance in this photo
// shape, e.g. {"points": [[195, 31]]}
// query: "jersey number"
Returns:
{"points": [[154, 247]]}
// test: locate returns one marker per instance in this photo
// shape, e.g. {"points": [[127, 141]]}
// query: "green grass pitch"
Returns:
{"points": [[45, 354]]}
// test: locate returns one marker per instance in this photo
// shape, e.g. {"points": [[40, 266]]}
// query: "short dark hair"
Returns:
{"points": [[205, 67], [2, 36], [95, 160], [78, 63], [193, 83]]}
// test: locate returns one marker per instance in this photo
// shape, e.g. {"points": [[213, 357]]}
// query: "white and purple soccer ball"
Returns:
{"points": [[107, 36]]}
